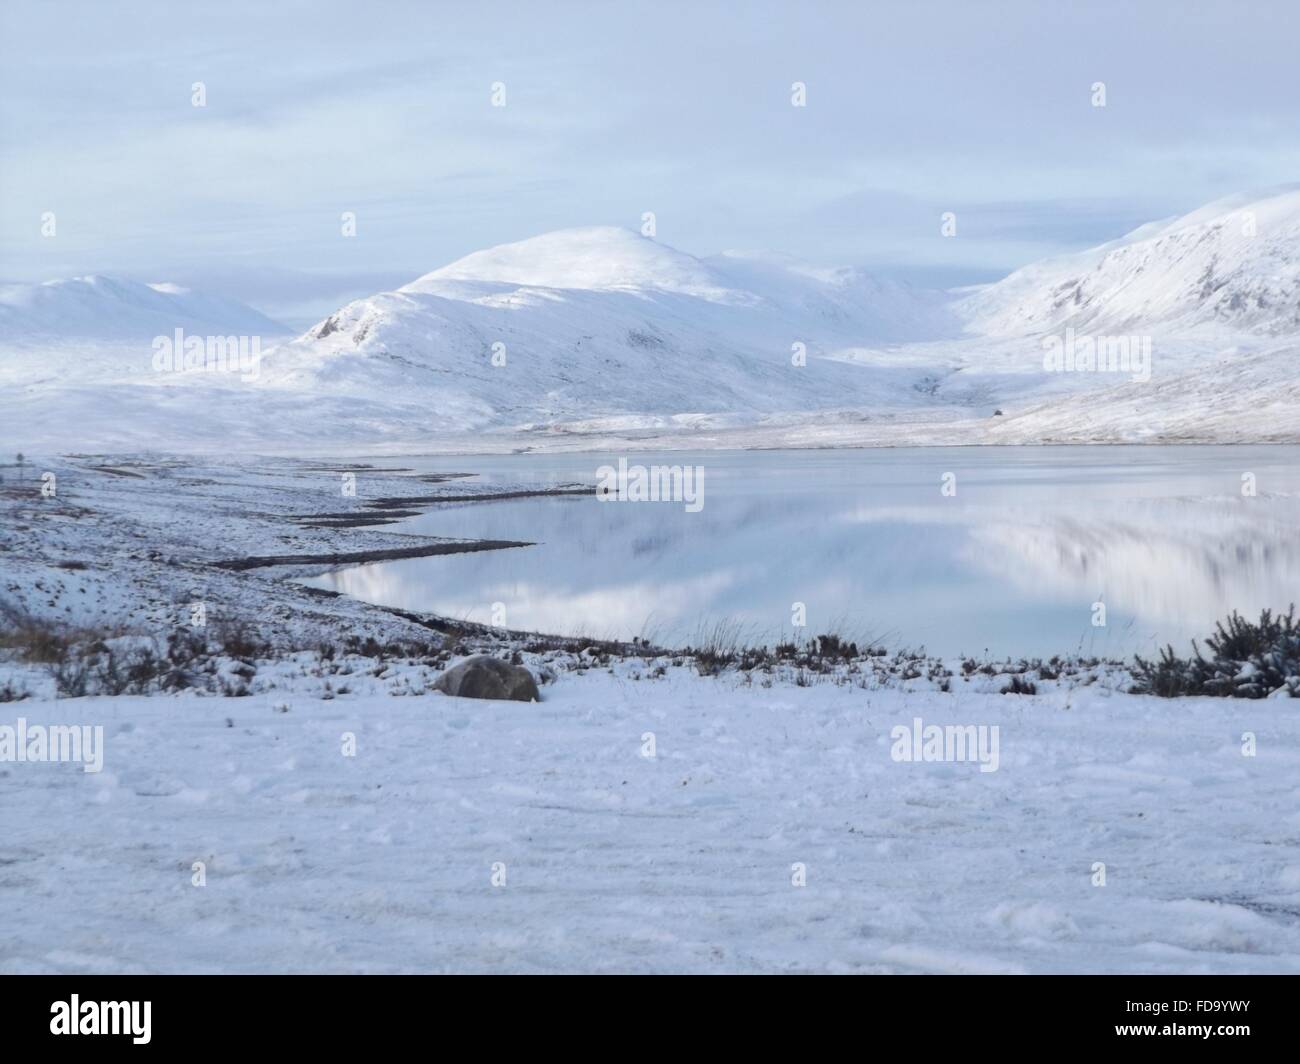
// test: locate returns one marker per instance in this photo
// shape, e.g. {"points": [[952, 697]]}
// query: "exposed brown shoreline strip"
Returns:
{"points": [[361, 556], [354, 519], [423, 500]]}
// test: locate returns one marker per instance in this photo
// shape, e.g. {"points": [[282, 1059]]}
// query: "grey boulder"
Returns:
{"points": [[484, 676]]}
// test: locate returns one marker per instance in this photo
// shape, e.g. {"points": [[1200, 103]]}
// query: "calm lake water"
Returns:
{"points": [[1010, 565]]}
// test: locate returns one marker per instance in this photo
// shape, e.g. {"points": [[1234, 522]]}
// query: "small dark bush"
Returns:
{"points": [[184, 645], [238, 639], [1020, 686], [1245, 661], [71, 676], [110, 675], [142, 670], [35, 640]]}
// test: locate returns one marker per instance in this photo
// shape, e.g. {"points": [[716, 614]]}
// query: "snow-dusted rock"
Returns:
{"points": [[484, 676]]}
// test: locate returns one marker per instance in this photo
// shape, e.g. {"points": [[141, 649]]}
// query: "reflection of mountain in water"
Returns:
{"points": [[868, 544], [1166, 561]]}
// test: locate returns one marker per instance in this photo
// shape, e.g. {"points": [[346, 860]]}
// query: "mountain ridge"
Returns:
{"points": [[98, 306], [592, 332], [1233, 264]]}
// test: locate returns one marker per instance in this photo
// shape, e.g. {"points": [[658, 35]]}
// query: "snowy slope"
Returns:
{"points": [[601, 323], [111, 309], [1232, 396], [77, 365], [1233, 265]]}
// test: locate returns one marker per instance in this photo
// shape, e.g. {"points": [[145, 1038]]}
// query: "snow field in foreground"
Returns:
{"points": [[617, 862]]}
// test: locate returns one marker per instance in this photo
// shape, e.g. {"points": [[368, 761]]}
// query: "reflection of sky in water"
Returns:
{"points": [[1012, 564]]}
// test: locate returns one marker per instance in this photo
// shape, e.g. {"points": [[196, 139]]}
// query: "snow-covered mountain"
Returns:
{"points": [[1232, 265], [599, 336], [77, 365], [599, 323], [113, 310]]}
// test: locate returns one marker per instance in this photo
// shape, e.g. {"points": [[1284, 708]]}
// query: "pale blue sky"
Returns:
{"points": [[383, 108]]}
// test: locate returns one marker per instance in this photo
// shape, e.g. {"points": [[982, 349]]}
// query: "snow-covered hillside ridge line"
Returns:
{"points": [[612, 331], [112, 309], [1232, 265], [599, 337]]}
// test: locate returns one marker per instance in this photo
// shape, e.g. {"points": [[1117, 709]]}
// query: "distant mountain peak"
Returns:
{"points": [[593, 258], [100, 307]]}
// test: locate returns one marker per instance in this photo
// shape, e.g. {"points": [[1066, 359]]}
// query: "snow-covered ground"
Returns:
{"points": [[614, 861], [131, 543], [470, 835]]}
